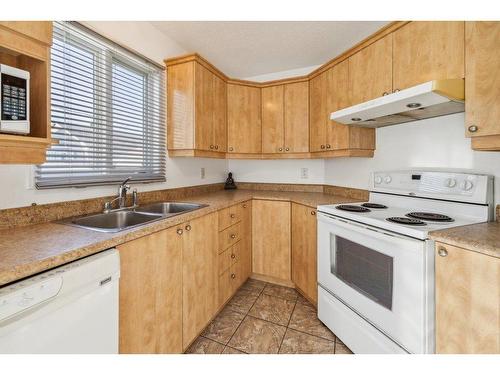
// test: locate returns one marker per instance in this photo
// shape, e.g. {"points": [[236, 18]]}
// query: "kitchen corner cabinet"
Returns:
{"points": [[482, 84], [244, 127], [304, 259], [328, 92], [285, 119], [196, 110], [151, 293], [26, 45], [199, 275], [467, 301], [271, 242]]}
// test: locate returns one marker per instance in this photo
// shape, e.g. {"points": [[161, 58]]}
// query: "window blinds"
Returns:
{"points": [[108, 113]]}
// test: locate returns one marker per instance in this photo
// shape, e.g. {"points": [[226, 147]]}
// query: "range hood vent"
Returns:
{"points": [[430, 99]]}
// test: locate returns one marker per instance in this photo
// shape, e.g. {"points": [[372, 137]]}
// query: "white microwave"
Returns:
{"points": [[14, 100]]}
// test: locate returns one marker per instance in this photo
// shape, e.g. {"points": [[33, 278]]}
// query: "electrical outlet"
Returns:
{"points": [[202, 173], [304, 172]]}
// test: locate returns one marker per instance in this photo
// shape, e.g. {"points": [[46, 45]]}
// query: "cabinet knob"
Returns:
{"points": [[385, 93], [233, 236], [287, 149], [473, 128], [179, 231], [233, 276], [442, 252], [216, 147], [328, 146], [313, 213], [232, 216], [231, 149], [280, 149], [188, 227], [233, 256], [244, 205], [211, 147], [322, 146], [396, 90]]}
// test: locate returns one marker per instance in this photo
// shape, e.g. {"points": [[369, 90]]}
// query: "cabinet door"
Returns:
{"points": [[271, 238], [304, 269], [297, 117], [246, 241], [370, 71], [467, 301], [151, 294], [337, 97], [39, 30], [273, 131], [482, 78], [219, 139], [318, 113], [199, 275], [428, 50], [180, 106], [244, 119], [204, 106]]}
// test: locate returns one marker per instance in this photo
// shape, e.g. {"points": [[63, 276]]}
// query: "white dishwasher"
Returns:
{"points": [[70, 309]]}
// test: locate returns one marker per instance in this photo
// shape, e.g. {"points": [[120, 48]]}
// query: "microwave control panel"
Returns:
{"points": [[14, 98]]}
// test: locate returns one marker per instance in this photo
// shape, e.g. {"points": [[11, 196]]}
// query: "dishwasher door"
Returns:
{"points": [[71, 309]]}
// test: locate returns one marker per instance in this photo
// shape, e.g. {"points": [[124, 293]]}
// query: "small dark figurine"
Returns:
{"points": [[229, 182]]}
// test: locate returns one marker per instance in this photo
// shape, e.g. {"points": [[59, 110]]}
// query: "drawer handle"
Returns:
{"points": [[473, 128], [179, 231], [233, 236], [442, 252], [233, 276], [232, 216], [188, 227], [233, 256], [313, 213]]}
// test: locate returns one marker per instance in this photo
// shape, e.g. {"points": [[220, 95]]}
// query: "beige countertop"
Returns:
{"points": [[483, 238], [27, 250]]}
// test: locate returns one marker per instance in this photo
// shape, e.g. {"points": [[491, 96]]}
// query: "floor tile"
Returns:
{"points": [[223, 326], [305, 319], [257, 336], [302, 299], [296, 342], [273, 309], [203, 345], [342, 349], [229, 350], [281, 291], [242, 301], [254, 285]]}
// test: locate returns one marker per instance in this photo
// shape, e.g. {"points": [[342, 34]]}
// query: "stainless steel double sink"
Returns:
{"points": [[129, 218]]}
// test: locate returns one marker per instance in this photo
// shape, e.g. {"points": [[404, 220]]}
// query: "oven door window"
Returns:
{"points": [[367, 271]]}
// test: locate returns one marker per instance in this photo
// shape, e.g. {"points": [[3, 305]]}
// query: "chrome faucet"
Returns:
{"points": [[122, 198]]}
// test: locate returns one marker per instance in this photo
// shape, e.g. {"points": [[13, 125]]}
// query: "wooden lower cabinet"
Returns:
{"points": [[199, 275], [304, 258], [151, 294], [271, 239], [467, 301]]}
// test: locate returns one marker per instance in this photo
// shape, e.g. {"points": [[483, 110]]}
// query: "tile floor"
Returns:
{"points": [[267, 318]]}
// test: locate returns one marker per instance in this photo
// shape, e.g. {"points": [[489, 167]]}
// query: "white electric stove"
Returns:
{"points": [[376, 261]]}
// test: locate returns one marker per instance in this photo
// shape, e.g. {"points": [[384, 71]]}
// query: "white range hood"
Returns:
{"points": [[430, 99]]}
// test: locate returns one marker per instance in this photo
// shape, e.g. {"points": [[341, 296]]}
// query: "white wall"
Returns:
{"points": [[16, 180], [283, 74], [432, 143]]}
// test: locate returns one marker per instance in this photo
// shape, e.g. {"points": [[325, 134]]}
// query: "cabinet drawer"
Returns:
{"points": [[229, 257], [229, 216], [229, 237]]}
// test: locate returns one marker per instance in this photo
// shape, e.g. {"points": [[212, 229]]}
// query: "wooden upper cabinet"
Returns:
{"points": [[337, 97], [467, 301], [244, 128], [296, 117], [482, 83], [196, 109], [428, 50], [273, 130], [318, 113], [370, 72], [39, 30]]}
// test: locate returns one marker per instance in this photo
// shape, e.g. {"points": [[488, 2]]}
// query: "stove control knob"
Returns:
{"points": [[450, 182], [466, 185], [378, 180], [387, 179]]}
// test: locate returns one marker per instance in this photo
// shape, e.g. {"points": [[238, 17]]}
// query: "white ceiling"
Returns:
{"points": [[251, 48]]}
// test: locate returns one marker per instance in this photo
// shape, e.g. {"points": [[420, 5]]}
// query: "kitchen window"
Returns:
{"points": [[108, 115]]}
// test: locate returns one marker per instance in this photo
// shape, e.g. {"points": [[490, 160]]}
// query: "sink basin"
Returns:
{"points": [[114, 221], [168, 208]]}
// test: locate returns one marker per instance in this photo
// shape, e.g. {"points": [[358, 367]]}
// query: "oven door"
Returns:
{"points": [[380, 275]]}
